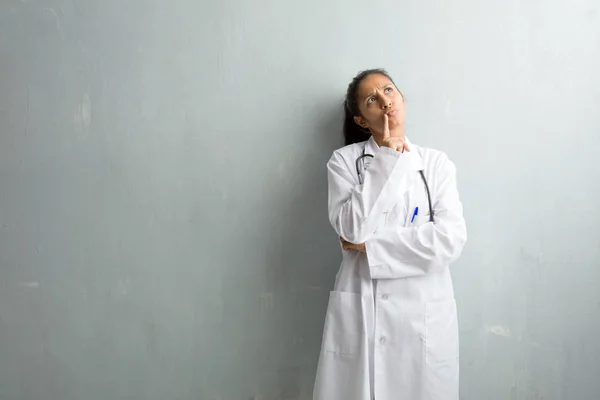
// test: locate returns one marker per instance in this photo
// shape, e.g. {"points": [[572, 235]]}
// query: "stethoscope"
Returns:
{"points": [[360, 178]]}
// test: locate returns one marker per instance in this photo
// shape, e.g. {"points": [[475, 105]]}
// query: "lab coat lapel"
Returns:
{"points": [[408, 199], [414, 197], [371, 147]]}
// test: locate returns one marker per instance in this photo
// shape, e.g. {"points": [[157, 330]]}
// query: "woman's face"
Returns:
{"points": [[377, 95]]}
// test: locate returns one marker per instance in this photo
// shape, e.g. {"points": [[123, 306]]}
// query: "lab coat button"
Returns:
{"points": [[384, 297], [382, 340]]}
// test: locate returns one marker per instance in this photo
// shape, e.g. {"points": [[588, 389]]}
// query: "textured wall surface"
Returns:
{"points": [[163, 224]]}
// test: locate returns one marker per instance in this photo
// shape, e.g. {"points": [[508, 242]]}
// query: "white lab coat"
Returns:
{"points": [[391, 328]]}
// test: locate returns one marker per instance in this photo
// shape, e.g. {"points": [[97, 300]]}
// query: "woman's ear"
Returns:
{"points": [[361, 122]]}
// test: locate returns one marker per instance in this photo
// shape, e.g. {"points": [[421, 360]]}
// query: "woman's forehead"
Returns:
{"points": [[373, 82]]}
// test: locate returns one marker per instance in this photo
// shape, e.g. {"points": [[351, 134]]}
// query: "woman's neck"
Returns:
{"points": [[397, 132]]}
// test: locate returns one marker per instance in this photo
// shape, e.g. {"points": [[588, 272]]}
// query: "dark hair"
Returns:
{"points": [[354, 133]]}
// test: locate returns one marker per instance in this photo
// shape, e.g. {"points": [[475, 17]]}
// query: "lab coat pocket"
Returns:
{"points": [[441, 332], [343, 323], [421, 219]]}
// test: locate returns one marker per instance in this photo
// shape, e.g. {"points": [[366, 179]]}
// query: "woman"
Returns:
{"points": [[391, 330]]}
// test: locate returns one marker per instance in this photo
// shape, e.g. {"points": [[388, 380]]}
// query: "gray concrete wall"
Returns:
{"points": [[163, 225]]}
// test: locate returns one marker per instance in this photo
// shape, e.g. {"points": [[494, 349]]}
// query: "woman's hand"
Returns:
{"points": [[394, 143], [355, 247]]}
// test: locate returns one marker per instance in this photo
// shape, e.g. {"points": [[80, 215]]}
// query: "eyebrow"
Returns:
{"points": [[387, 85], [367, 96]]}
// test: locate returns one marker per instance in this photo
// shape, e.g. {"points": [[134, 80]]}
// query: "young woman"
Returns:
{"points": [[391, 330]]}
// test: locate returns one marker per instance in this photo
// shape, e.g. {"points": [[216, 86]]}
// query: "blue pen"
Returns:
{"points": [[414, 214]]}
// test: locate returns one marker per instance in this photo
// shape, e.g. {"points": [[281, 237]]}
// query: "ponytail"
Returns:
{"points": [[353, 133]]}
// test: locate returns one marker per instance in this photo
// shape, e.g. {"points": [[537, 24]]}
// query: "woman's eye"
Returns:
{"points": [[388, 90], [371, 99]]}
